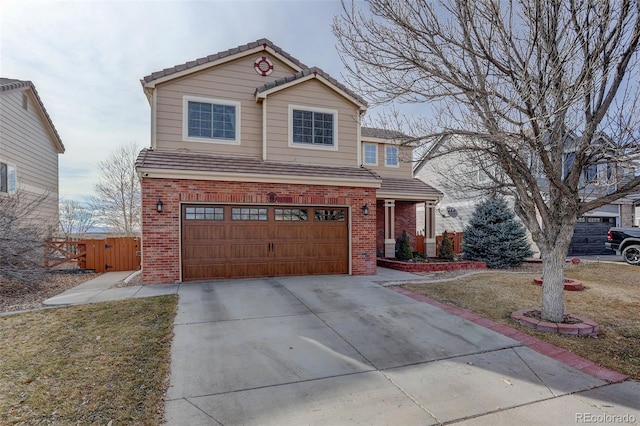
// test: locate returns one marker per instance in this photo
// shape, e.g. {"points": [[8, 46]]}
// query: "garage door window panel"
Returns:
{"points": [[288, 215], [324, 215], [204, 213], [241, 213]]}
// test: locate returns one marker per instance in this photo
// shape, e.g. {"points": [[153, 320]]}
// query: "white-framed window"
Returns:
{"points": [[311, 127], [370, 153], [391, 156], [8, 178], [601, 174], [211, 120]]}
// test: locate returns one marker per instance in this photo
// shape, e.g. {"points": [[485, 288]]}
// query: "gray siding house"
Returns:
{"points": [[454, 210], [29, 149]]}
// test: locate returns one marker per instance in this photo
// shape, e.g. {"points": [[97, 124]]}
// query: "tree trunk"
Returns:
{"points": [[553, 283]]}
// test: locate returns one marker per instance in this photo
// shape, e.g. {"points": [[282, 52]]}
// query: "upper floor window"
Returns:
{"points": [[313, 127], [370, 153], [211, 120], [7, 178], [567, 163], [602, 173], [391, 157]]}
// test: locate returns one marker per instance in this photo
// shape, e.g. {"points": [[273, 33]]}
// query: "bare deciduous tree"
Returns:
{"points": [[526, 89], [75, 219], [21, 238], [117, 196]]}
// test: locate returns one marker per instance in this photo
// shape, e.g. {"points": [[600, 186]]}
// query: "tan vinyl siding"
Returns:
{"points": [[404, 169], [234, 81], [26, 143], [311, 94]]}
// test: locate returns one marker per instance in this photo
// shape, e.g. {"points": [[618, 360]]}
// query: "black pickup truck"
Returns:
{"points": [[625, 241]]}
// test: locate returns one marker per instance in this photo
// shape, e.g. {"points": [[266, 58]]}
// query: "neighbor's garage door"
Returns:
{"points": [[590, 235], [258, 241]]}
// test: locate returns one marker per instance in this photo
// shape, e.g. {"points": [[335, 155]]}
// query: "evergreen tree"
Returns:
{"points": [[404, 247], [494, 236], [446, 248]]}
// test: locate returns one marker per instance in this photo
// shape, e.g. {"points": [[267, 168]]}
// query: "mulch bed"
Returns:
{"points": [[16, 296]]}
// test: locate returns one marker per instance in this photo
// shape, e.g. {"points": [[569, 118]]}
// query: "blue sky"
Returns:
{"points": [[86, 59]]}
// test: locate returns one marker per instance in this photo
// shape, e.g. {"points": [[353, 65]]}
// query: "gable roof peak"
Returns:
{"points": [[10, 84], [301, 76], [210, 60]]}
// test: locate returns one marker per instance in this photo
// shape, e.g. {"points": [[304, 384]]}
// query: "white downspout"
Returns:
{"points": [[359, 142], [264, 129], [154, 106]]}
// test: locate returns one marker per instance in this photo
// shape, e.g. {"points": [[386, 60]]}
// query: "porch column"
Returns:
{"points": [[430, 228], [389, 228]]}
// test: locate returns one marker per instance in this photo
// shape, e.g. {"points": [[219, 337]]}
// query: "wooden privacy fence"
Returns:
{"points": [[106, 255], [456, 240], [420, 243]]}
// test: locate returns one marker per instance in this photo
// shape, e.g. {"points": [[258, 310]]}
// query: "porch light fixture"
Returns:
{"points": [[365, 210], [159, 206]]}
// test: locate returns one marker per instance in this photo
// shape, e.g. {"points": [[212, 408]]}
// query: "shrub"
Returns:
{"points": [[446, 248], [495, 236], [21, 239], [404, 247]]}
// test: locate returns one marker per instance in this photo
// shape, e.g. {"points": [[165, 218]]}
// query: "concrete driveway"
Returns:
{"points": [[345, 350]]}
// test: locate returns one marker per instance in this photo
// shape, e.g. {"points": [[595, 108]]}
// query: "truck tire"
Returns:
{"points": [[631, 254]]}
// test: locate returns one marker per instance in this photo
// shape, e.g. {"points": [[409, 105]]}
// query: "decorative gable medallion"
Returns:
{"points": [[263, 66]]}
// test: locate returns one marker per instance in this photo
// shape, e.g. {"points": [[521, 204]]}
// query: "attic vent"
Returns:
{"points": [[263, 66], [25, 102]]}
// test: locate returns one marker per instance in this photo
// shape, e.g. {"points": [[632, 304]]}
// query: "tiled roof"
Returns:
{"points": [[408, 186], [7, 84], [372, 132], [216, 56], [181, 161], [11, 83], [306, 72]]}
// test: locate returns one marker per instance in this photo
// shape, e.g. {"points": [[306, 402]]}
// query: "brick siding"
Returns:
{"points": [[405, 219], [161, 231]]}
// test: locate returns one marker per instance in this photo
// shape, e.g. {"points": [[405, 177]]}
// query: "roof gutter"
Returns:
{"points": [[245, 177]]}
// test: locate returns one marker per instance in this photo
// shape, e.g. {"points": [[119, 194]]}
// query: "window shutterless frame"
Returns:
{"points": [[210, 120], [391, 156], [313, 128], [8, 178], [370, 154]]}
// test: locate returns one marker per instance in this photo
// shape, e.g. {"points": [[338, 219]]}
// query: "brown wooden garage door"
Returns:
{"points": [[260, 241]]}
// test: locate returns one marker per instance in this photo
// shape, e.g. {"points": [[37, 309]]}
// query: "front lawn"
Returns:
{"points": [[611, 298], [91, 364]]}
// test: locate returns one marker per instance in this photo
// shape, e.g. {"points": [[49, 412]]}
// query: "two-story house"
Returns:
{"points": [[259, 166], [457, 176], [29, 149]]}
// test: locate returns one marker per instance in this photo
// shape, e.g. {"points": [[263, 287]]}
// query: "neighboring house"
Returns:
{"points": [[456, 207], [29, 148], [258, 166]]}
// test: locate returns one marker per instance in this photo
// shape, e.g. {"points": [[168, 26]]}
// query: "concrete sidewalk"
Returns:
{"points": [[103, 289]]}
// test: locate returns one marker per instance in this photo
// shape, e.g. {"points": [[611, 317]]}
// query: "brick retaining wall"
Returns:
{"points": [[430, 266]]}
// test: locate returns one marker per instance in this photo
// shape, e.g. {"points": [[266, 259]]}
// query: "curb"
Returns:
{"points": [[132, 276]]}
